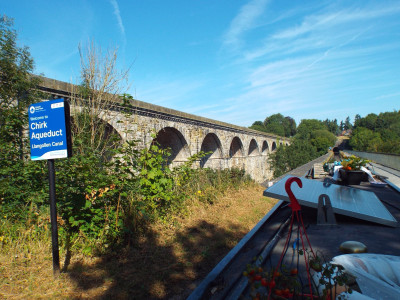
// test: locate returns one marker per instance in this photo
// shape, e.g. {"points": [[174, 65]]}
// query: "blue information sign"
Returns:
{"points": [[47, 130]]}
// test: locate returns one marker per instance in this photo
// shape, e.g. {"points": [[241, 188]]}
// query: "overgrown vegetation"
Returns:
{"points": [[16, 93], [109, 191], [377, 133]]}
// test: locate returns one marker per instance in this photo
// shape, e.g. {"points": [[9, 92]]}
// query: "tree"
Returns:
{"points": [[280, 125], [96, 180], [357, 119], [292, 128], [341, 126], [368, 122], [387, 120], [258, 125], [86, 188], [332, 126], [17, 88], [275, 124], [364, 139], [322, 139], [17, 92], [275, 128], [101, 87], [287, 158], [306, 126], [347, 124], [377, 133], [311, 140], [390, 139]]}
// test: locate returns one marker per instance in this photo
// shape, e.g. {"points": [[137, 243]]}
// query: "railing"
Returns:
{"points": [[387, 160]]}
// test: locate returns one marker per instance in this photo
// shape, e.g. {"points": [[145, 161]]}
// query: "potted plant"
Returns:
{"points": [[329, 280], [351, 172]]}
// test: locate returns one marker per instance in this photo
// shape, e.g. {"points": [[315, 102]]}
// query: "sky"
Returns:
{"points": [[229, 60]]}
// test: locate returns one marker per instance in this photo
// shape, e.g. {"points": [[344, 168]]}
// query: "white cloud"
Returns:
{"points": [[328, 20], [119, 19], [394, 95], [244, 21], [318, 32]]}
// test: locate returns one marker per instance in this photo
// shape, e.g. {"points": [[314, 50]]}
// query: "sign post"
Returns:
{"points": [[50, 138], [53, 217]]}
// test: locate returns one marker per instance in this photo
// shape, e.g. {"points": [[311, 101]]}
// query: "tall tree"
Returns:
{"points": [[332, 126], [102, 84], [347, 124], [17, 92], [369, 121], [292, 128], [357, 119], [17, 87]]}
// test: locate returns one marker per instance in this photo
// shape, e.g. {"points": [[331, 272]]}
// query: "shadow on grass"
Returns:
{"points": [[155, 270]]}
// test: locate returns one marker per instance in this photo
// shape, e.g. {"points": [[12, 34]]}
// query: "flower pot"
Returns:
{"points": [[351, 177]]}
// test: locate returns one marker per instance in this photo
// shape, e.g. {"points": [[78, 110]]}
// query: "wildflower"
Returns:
{"points": [[199, 192], [1, 238]]}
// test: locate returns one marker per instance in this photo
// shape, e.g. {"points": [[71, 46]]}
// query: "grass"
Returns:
{"points": [[168, 262]]}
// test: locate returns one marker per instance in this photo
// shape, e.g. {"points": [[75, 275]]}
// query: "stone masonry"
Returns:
{"points": [[186, 134]]}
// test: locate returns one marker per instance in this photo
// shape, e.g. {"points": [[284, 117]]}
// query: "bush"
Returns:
{"points": [[364, 139], [287, 158]]}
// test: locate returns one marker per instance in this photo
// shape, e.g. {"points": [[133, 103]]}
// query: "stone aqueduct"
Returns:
{"points": [[186, 134]]}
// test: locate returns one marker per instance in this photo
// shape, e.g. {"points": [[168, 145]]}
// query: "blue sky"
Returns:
{"points": [[232, 61]]}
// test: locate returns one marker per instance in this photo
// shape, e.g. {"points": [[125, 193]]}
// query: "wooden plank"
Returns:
{"points": [[318, 171]]}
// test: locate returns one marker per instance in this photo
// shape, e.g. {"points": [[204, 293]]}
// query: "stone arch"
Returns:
{"points": [[115, 122], [236, 147], [106, 136], [265, 147], [273, 148], [171, 138], [105, 117], [253, 148], [211, 143]]}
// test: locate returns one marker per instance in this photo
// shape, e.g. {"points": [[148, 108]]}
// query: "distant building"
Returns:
{"points": [[346, 132]]}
